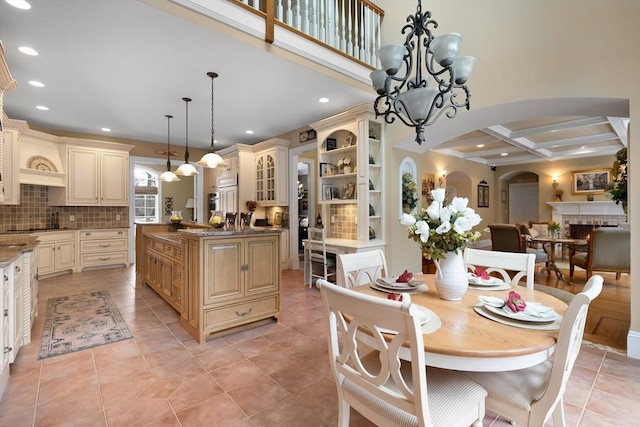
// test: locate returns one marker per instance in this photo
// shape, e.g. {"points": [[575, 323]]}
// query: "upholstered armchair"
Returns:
{"points": [[507, 238], [609, 250]]}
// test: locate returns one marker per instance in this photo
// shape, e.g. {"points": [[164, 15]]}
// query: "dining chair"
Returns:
{"points": [[511, 266], [530, 396], [507, 238], [375, 381], [319, 265], [362, 267]]}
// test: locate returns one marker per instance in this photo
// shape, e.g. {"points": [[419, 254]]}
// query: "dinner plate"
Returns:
{"points": [[390, 283], [492, 281], [549, 326], [499, 287], [381, 288], [522, 316]]}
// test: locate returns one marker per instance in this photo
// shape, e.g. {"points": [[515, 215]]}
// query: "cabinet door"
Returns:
{"points": [[46, 257], [270, 177], [262, 265], [114, 178], [82, 175], [65, 255], [18, 317], [224, 270], [165, 269], [260, 179]]}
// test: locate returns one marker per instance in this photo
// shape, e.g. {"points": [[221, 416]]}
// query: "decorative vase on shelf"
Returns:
{"points": [[347, 169], [176, 217], [451, 276]]}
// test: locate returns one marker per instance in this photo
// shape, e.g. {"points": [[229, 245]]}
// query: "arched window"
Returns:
{"points": [[147, 199]]}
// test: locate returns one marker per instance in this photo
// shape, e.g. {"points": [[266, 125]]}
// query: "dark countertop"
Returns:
{"points": [[11, 247]]}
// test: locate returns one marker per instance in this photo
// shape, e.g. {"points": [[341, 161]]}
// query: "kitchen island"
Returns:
{"points": [[219, 280]]}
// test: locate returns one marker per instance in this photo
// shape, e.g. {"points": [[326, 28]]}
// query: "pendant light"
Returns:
{"points": [[168, 176], [187, 169], [211, 159]]}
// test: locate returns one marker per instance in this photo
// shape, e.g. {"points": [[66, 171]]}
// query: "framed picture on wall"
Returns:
{"points": [[594, 181]]}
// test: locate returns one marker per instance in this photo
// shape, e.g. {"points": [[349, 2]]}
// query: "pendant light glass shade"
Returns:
{"points": [[168, 176], [187, 169], [211, 159]]}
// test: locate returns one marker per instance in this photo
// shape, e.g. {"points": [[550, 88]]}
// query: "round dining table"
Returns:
{"points": [[468, 341]]}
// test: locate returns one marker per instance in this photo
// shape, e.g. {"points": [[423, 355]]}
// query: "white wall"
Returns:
{"points": [[530, 49]]}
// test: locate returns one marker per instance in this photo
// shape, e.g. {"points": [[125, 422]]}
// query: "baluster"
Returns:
{"points": [[350, 27], [297, 16], [313, 18], [357, 29], [321, 21], [343, 25], [304, 16], [376, 40], [279, 10], [363, 26], [288, 14]]}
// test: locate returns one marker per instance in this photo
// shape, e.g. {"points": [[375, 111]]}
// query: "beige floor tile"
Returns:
{"points": [[163, 378]]}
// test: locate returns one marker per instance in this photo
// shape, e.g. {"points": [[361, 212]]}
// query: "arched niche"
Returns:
{"points": [[409, 190]]}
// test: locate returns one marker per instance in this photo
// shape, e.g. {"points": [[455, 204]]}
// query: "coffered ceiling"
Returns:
{"points": [[123, 65]]}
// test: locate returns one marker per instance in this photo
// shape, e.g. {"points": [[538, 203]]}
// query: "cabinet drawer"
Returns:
{"points": [[237, 314], [56, 236], [103, 245], [102, 234], [92, 260]]}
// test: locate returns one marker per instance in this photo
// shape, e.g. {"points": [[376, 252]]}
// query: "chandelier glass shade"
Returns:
{"points": [[211, 159], [423, 78], [168, 176], [187, 169]]}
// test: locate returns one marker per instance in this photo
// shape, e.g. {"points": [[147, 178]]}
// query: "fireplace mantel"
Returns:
{"points": [[602, 213], [587, 208]]}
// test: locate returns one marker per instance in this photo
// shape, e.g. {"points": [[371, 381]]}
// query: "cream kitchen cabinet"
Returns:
{"points": [[95, 177], [102, 248], [232, 280], [56, 252], [5, 328], [9, 180], [272, 172]]}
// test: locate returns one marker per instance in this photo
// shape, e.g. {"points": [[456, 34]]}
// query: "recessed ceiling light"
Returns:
{"points": [[323, 100], [105, 129], [20, 4], [480, 145], [28, 50], [36, 83], [583, 147], [248, 132], [42, 108], [504, 154]]}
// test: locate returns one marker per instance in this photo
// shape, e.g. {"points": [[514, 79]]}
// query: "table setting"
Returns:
{"points": [[515, 311], [480, 279]]}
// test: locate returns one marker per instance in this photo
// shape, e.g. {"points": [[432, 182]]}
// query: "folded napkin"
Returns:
{"points": [[390, 282], [534, 309]]}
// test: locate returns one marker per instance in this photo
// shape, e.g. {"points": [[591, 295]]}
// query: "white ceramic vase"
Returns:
{"points": [[347, 169], [451, 276]]}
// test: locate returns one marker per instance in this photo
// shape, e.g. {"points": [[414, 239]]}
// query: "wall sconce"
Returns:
{"points": [[441, 178], [555, 181]]}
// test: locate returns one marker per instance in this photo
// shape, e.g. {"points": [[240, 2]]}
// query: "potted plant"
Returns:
{"points": [[618, 186], [345, 164]]}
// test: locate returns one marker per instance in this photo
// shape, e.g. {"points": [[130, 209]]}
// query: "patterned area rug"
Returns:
{"points": [[82, 321]]}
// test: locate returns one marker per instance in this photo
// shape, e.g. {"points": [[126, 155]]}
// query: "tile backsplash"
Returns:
{"points": [[34, 212]]}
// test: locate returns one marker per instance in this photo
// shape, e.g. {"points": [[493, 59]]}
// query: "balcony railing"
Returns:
{"points": [[350, 27]]}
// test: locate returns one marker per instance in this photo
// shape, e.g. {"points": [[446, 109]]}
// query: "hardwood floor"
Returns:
{"points": [[609, 316]]}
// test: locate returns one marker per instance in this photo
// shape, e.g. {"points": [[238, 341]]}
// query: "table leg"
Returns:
{"points": [[549, 248]]}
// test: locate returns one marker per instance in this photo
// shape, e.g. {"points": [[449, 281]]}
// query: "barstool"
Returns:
{"points": [[316, 255], [231, 218]]}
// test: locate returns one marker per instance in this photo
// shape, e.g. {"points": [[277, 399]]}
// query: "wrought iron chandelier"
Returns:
{"points": [[168, 176], [402, 90], [211, 159], [187, 169]]}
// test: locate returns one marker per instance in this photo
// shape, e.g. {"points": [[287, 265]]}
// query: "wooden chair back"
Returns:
{"points": [[362, 267], [511, 266]]}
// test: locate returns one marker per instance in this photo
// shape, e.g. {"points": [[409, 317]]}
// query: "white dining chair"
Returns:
{"points": [[530, 396], [522, 264], [319, 265], [376, 383], [362, 267]]}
